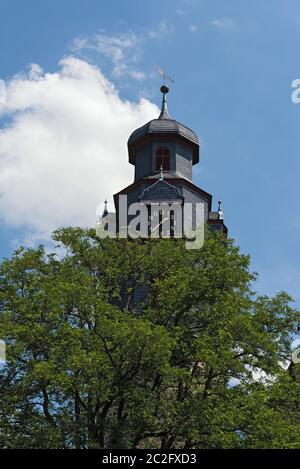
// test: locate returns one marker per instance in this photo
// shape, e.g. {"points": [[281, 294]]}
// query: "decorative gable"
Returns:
{"points": [[161, 191]]}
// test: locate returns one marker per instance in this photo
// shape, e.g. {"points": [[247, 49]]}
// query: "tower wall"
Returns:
{"points": [[183, 159], [143, 164]]}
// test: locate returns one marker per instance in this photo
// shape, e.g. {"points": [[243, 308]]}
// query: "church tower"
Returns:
{"points": [[163, 152]]}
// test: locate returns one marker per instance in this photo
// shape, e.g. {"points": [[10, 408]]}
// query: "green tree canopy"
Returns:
{"points": [[195, 362]]}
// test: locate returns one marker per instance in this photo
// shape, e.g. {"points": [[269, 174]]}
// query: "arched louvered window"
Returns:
{"points": [[162, 159]]}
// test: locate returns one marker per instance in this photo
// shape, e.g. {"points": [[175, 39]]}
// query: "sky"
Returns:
{"points": [[80, 76]]}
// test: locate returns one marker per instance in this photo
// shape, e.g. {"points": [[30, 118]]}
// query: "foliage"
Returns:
{"points": [[122, 344]]}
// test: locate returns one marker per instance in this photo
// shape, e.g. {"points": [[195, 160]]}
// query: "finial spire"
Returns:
{"points": [[105, 211], [161, 173], [164, 114]]}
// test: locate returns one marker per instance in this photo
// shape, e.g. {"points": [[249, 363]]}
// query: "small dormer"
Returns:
{"points": [[163, 142]]}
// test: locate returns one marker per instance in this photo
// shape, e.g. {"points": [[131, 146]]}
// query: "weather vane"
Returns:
{"points": [[163, 74]]}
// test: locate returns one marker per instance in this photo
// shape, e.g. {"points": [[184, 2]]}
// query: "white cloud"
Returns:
{"points": [[138, 75], [193, 28], [121, 49], [64, 149], [79, 43], [35, 72], [163, 29], [124, 50], [222, 23]]}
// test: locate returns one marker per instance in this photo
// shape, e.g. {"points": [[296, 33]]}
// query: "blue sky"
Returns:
{"points": [[233, 62]]}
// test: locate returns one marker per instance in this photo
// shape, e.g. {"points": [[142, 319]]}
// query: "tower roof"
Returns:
{"points": [[163, 126]]}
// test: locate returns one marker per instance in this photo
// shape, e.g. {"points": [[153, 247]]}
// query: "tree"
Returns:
{"points": [[195, 363]]}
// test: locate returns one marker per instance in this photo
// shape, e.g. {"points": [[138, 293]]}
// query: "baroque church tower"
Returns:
{"points": [[163, 152]]}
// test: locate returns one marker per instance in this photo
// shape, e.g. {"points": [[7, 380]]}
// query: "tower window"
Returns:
{"points": [[162, 159]]}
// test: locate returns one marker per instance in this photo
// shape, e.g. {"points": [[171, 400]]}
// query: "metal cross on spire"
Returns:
{"points": [[163, 74]]}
